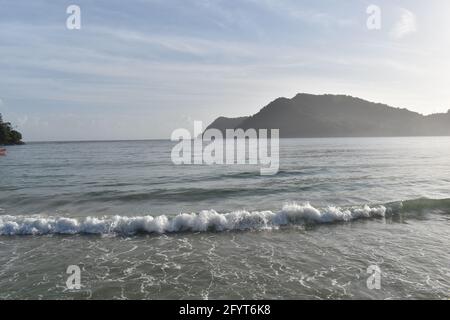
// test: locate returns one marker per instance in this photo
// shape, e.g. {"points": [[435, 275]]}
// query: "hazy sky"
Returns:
{"points": [[140, 69]]}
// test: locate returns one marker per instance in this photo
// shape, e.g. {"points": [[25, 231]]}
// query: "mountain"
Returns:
{"points": [[308, 115], [223, 123]]}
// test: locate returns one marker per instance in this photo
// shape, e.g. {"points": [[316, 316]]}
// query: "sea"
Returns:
{"points": [[344, 218]]}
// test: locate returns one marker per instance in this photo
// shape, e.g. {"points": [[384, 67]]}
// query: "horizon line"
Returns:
{"points": [[290, 138]]}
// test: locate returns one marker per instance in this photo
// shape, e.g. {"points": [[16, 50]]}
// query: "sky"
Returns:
{"points": [[140, 69]]}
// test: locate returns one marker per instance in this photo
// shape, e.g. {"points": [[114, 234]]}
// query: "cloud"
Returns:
{"points": [[406, 25], [22, 121], [305, 14]]}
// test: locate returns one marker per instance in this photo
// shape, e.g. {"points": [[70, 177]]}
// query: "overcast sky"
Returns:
{"points": [[140, 69]]}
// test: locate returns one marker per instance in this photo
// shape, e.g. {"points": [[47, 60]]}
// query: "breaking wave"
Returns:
{"points": [[208, 220]]}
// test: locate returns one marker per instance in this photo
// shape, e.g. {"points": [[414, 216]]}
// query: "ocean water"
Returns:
{"points": [[140, 227]]}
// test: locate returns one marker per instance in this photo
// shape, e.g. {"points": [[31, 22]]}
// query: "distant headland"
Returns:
{"points": [[9, 136], [308, 115]]}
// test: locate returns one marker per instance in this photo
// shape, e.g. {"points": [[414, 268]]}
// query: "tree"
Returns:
{"points": [[15, 136], [3, 131], [7, 134]]}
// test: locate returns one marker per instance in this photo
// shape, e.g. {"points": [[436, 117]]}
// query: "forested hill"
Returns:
{"points": [[308, 115]]}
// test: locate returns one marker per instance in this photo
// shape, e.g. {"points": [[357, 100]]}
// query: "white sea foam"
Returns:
{"points": [[208, 220]]}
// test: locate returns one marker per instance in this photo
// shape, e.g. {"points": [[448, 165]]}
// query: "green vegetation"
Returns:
{"points": [[9, 136], [312, 116]]}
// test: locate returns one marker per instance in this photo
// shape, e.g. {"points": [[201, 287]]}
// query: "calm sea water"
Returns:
{"points": [[140, 227]]}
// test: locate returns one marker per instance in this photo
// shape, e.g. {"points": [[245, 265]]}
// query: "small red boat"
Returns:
{"points": [[2, 152]]}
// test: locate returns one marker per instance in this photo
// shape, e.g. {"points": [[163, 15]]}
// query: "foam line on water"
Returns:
{"points": [[207, 220]]}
